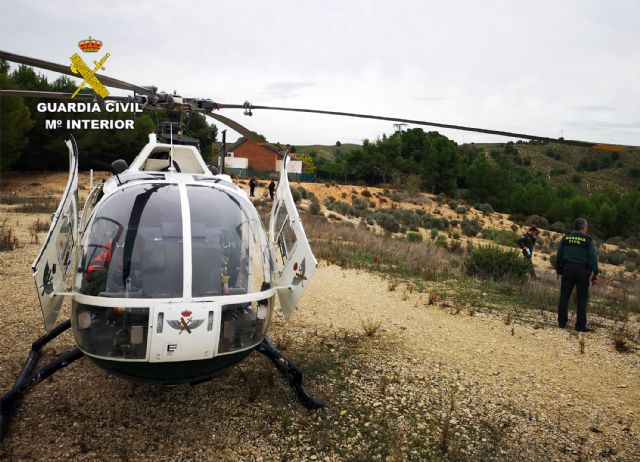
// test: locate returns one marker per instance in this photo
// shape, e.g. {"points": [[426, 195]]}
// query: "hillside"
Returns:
{"points": [[560, 163]]}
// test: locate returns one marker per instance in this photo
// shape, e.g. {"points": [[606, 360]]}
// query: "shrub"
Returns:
{"points": [[461, 209], [617, 257], [396, 197], [441, 241], [388, 223], [634, 172], [500, 236], [329, 200], [343, 195], [537, 221], [366, 193], [414, 237], [515, 228], [456, 234], [484, 208], [492, 262], [434, 233], [558, 171], [314, 208], [295, 193], [453, 204], [8, 241], [470, 227], [558, 227], [303, 192], [576, 179], [359, 204]]}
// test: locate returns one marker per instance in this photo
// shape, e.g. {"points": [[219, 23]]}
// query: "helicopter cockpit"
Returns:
{"points": [[157, 253]]}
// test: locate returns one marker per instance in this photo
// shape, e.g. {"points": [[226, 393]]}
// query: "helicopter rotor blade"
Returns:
{"points": [[590, 144], [57, 95], [105, 80], [244, 131]]}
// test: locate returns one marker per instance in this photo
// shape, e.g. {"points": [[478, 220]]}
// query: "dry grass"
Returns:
{"points": [[371, 325], [581, 343], [349, 246], [621, 343], [8, 241], [30, 204]]}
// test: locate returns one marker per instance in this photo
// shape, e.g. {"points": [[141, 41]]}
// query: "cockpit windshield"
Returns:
{"points": [[226, 251], [134, 247]]}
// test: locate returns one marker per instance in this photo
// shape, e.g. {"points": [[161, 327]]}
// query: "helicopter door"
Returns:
{"points": [[294, 259], [55, 260]]}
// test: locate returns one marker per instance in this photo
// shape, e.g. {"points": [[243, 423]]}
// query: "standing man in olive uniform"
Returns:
{"points": [[526, 243], [576, 261]]}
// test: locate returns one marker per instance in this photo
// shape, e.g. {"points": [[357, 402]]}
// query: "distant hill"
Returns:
{"points": [[560, 163]]}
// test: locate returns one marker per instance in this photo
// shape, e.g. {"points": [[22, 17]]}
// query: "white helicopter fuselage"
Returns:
{"points": [[172, 274]]}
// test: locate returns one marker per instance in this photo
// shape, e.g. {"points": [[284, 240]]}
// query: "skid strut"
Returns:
{"points": [[29, 377], [291, 373]]}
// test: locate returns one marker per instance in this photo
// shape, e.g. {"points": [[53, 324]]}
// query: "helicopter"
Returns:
{"points": [[171, 274]]}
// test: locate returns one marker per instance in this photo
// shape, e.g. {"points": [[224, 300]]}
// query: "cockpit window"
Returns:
{"points": [[134, 246], [226, 252]]}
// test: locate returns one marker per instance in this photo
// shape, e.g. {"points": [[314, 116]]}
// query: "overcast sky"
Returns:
{"points": [[542, 67]]}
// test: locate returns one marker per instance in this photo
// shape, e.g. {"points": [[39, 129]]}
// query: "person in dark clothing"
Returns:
{"points": [[576, 261], [252, 186], [526, 243], [272, 189]]}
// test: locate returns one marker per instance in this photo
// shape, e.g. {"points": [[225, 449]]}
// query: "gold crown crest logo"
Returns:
{"points": [[90, 45]]}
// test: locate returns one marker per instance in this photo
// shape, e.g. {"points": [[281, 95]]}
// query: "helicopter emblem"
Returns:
{"points": [[185, 323], [299, 276], [47, 279]]}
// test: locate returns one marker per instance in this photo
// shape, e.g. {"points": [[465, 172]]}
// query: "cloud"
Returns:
{"points": [[430, 98], [285, 89], [591, 108]]}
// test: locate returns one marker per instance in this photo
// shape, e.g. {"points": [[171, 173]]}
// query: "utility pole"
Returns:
{"points": [[399, 127]]}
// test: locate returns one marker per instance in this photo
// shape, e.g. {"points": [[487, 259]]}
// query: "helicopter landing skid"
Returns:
{"points": [[291, 373], [29, 377]]}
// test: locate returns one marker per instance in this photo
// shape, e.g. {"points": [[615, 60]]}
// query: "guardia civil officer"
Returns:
{"points": [[526, 243], [576, 261]]}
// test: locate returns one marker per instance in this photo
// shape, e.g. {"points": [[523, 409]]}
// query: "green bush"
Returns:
{"points": [[396, 197], [537, 221], [558, 227], [461, 209], [414, 237], [492, 262], [366, 193], [434, 233], [295, 193], [617, 257], [359, 204], [303, 192], [315, 208], [453, 204], [388, 223], [576, 179], [485, 208], [634, 172], [500, 236], [470, 227]]}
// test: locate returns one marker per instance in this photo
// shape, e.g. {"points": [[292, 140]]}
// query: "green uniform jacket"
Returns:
{"points": [[576, 247]]}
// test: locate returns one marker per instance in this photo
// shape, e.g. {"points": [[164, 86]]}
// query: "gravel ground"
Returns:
{"points": [[428, 384]]}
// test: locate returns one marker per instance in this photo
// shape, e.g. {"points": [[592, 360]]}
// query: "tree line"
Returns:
{"points": [[416, 160], [26, 144]]}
